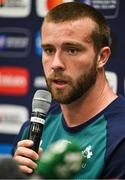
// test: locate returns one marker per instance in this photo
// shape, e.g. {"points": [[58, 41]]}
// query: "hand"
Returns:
{"points": [[26, 157]]}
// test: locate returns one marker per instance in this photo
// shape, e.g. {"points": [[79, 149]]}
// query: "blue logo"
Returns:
{"points": [[14, 42], [38, 44], [109, 8], [89, 2]]}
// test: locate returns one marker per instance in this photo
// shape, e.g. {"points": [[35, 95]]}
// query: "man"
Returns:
{"points": [[76, 46]]}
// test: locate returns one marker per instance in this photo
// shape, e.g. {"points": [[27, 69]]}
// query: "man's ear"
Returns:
{"points": [[103, 56]]}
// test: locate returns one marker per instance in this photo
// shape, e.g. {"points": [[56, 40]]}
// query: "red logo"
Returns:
{"points": [[2, 2], [52, 3], [43, 6], [14, 81]]}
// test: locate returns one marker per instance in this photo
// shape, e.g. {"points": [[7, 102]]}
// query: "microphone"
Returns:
{"points": [[61, 160], [40, 106]]}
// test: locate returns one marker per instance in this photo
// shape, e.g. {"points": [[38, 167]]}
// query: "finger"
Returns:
{"points": [[25, 169], [25, 143], [23, 161], [26, 152]]}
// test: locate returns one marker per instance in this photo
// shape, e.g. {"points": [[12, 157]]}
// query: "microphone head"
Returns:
{"points": [[41, 101]]}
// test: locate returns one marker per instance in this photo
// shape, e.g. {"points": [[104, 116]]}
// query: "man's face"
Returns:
{"points": [[69, 59]]}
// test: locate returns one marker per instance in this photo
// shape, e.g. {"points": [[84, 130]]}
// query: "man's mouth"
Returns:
{"points": [[58, 83]]}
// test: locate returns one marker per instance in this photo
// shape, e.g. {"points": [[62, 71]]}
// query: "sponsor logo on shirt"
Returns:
{"points": [[14, 81]]}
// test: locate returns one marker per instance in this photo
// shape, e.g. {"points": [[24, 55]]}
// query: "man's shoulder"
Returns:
{"points": [[118, 105], [121, 99], [116, 121]]}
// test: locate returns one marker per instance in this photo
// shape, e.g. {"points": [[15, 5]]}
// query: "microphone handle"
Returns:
{"points": [[36, 128]]}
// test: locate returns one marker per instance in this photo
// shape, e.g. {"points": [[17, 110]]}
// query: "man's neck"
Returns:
{"points": [[83, 109]]}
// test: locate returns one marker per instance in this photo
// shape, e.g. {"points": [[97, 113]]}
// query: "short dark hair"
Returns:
{"points": [[73, 11]]}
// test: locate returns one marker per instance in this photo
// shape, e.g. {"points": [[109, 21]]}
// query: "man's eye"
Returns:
{"points": [[72, 51], [49, 51]]}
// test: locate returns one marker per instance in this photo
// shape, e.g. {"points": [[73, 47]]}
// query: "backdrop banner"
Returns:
{"points": [[21, 72]]}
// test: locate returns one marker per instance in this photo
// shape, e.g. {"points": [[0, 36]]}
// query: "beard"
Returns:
{"points": [[76, 89]]}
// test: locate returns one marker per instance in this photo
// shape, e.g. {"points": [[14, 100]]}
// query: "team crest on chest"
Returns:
{"points": [[87, 154]]}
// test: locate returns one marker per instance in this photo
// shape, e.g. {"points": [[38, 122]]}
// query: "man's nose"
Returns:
{"points": [[58, 62]]}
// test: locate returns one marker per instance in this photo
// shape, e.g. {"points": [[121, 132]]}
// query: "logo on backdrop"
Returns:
{"points": [[43, 6], [124, 86], [40, 82], [15, 8], [38, 44], [109, 8], [12, 116], [113, 80], [14, 81], [14, 42]]}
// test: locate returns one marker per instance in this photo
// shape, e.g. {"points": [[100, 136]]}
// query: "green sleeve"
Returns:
{"points": [[25, 133]]}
